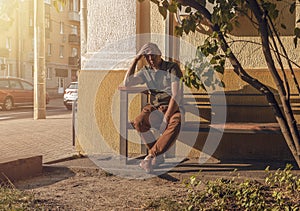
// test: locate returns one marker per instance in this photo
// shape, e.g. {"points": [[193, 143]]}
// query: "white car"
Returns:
{"points": [[70, 95]]}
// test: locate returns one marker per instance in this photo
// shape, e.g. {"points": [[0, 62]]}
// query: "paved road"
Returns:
{"points": [[51, 137]]}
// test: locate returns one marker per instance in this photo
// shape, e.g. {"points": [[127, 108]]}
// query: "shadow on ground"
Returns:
{"points": [[56, 172]]}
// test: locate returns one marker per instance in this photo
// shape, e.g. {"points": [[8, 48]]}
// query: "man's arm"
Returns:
{"points": [[130, 79], [174, 101], [173, 104]]}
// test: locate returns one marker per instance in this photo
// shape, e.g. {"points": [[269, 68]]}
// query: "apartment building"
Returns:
{"points": [[62, 42]]}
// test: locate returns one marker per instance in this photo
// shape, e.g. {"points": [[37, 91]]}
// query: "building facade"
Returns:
{"points": [[62, 42], [116, 30]]}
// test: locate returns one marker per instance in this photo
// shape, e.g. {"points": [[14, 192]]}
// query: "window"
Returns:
{"points": [[14, 84], [30, 21], [49, 73], [4, 84], [74, 77], [62, 27], [61, 51], [49, 49], [26, 86], [47, 21], [74, 29], [8, 43], [74, 52], [73, 5]]}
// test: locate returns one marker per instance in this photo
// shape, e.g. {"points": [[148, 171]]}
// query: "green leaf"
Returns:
{"points": [[222, 62], [229, 27], [188, 82], [196, 85], [55, 5], [172, 8], [188, 9], [274, 14], [205, 52], [219, 69], [57, 2], [163, 11], [297, 32], [271, 9], [178, 31], [228, 51], [295, 41], [283, 26], [191, 207], [293, 7], [178, 5], [165, 4], [214, 34], [213, 61], [186, 29]]}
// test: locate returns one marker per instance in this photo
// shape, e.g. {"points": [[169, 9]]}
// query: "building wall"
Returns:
{"points": [[99, 105], [65, 38], [8, 34], [20, 56], [102, 73]]}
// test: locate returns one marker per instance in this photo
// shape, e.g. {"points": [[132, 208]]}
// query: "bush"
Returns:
{"points": [[279, 191]]}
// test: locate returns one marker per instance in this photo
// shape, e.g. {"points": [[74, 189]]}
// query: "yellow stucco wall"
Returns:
{"points": [[99, 107], [99, 111]]}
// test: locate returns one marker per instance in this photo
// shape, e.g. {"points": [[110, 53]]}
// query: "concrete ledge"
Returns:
{"points": [[20, 167]]}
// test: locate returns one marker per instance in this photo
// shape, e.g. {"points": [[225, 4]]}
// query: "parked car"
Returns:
{"points": [[16, 92], [70, 95]]}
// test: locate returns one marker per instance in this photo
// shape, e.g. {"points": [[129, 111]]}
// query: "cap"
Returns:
{"points": [[150, 48]]}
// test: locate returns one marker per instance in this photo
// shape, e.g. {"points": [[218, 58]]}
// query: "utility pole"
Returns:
{"points": [[39, 60], [83, 27]]}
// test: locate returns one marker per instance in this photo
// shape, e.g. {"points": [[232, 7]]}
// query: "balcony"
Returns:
{"points": [[74, 39], [74, 16], [73, 61]]}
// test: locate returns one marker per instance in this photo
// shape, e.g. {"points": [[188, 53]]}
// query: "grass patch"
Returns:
{"points": [[279, 191], [14, 199]]}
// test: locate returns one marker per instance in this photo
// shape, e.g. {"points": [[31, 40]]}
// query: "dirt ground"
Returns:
{"points": [[80, 185]]}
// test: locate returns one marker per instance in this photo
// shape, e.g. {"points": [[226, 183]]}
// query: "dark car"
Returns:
{"points": [[15, 92]]}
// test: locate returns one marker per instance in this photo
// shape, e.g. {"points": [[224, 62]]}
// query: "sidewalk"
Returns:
{"points": [[50, 137]]}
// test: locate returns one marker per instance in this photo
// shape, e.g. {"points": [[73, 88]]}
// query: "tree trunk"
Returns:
{"points": [[291, 136], [263, 26]]}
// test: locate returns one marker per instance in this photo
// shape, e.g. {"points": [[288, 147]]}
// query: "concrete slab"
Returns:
{"points": [[20, 167]]}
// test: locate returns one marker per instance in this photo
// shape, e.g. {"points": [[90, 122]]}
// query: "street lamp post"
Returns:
{"points": [[39, 60]]}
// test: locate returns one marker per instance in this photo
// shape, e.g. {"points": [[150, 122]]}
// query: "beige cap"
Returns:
{"points": [[150, 48]]}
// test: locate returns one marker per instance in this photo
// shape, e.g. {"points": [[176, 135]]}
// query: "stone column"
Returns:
{"points": [[109, 22], [111, 28]]}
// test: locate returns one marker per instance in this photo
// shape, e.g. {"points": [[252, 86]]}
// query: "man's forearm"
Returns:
{"points": [[130, 72], [172, 108]]}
